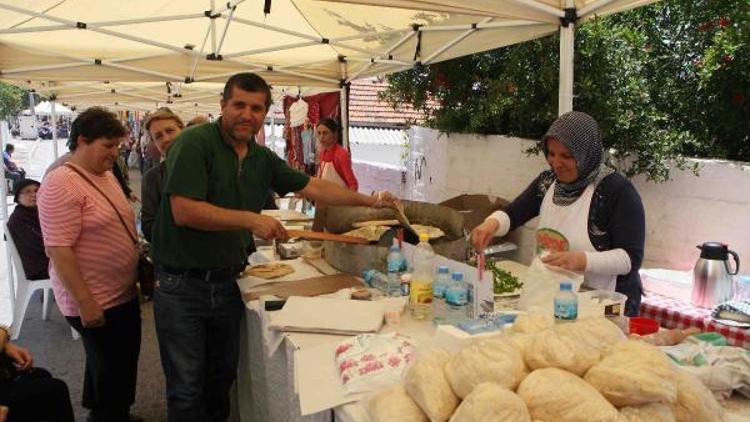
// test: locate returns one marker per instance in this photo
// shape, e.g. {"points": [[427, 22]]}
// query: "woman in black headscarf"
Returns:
{"points": [[24, 226], [591, 217]]}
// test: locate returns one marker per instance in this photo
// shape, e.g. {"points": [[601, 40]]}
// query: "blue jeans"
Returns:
{"points": [[198, 327]]}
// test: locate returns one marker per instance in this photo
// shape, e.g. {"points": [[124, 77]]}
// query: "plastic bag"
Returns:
{"points": [[370, 362], [723, 369], [540, 285]]}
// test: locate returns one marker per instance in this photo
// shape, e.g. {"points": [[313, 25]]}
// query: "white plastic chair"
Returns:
{"points": [[25, 290]]}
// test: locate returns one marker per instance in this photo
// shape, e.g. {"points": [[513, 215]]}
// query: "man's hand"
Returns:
{"points": [[20, 356], [573, 261], [267, 227], [483, 234], [92, 314], [385, 199], [3, 413]]}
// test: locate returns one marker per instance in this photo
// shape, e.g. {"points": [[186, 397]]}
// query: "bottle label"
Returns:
{"points": [[438, 290], [566, 311], [456, 296], [421, 292]]}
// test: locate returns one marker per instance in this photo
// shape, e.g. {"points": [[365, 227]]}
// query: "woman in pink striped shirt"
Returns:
{"points": [[88, 228]]}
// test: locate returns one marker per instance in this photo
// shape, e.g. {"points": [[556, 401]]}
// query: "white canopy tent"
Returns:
{"points": [[45, 109], [56, 44], [142, 54]]}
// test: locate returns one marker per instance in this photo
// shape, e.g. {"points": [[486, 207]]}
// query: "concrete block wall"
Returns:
{"points": [[680, 214]]}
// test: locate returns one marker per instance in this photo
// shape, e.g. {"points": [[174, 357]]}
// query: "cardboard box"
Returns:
{"points": [[475, 207]]}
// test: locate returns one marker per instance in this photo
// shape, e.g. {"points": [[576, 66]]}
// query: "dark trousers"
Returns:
{"points": [[198, 327], [35, 396], [111, 362]]}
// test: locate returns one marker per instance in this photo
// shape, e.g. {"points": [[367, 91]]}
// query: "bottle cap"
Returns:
{"points": [[443, 270], [457, 276], [424, 237], [566, 286]]}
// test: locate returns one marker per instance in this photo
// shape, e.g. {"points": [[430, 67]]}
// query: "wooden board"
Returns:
{"points": [[321, 265], [287, 215], [308, 287], [311, 235]]}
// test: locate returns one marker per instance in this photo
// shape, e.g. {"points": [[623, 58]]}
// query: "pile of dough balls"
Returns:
{"points": [[581, 371]]}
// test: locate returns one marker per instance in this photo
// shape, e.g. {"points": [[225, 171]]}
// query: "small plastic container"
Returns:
{"points": [[607, 303], [313, 249], [642, 326]]}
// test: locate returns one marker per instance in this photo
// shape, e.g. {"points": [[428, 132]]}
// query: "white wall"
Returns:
{"points": [[680, 214], [377, 176], [375, 153]]}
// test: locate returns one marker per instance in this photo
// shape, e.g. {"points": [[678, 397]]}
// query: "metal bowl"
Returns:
{"points": [[357, 258]]}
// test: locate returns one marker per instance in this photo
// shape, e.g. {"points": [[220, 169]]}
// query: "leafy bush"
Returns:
{"points": [[665, 81]]}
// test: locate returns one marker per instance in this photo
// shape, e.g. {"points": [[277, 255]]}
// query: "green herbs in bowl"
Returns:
{"points": [[503, 281]]}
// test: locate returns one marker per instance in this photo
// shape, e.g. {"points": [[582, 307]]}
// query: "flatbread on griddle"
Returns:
{"points": [[371, 233], [432, 231], [270, 270], [359, 224]]}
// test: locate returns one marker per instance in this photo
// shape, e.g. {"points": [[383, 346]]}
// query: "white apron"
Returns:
{"points": [[328, 172], [566, 228]]}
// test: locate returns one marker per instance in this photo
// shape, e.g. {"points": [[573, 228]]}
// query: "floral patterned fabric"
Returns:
{"points": [[370, 362]]}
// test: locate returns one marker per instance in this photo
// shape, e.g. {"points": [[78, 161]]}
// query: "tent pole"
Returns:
{"points": [[567, 46], [54, 128], [33, 112], [4, 192], [344, 100]]}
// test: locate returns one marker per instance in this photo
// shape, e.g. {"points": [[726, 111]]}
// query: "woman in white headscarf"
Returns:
{"points": [[591, 217]]}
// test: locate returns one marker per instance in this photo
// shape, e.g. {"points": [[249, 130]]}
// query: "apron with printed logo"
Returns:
{"points": [[566, 228]]}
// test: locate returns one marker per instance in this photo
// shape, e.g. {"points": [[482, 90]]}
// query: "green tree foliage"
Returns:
{"points": [[665, 81], [12, 100]]}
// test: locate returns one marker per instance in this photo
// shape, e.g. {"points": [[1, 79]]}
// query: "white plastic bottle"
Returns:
{"points": [[566, 303], [442, 281], [420, 295]]}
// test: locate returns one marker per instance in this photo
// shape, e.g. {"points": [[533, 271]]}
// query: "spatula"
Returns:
{"points": [[404, 219]]}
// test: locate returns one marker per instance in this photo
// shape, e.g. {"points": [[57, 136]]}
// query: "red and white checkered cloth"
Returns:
{"points": [[674, 313]]}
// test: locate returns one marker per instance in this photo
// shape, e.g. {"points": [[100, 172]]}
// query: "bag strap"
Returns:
{"points": [[114, 207]]}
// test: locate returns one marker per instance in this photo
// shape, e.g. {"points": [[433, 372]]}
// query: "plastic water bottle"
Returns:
{"points": [[441, 283], [566, 303], [420, 297], [396, 264], [456, 299], [376, 280]]}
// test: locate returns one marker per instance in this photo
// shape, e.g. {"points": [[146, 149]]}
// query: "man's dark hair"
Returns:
{"points": [[249, 82], [9, 148], [95, 123]]}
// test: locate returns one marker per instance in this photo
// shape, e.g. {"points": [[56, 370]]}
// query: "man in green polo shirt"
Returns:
{"points": [[218, 179]]}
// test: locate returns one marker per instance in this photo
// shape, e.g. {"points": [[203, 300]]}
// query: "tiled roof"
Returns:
{"points": [[364, 135], [367, 109]]}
